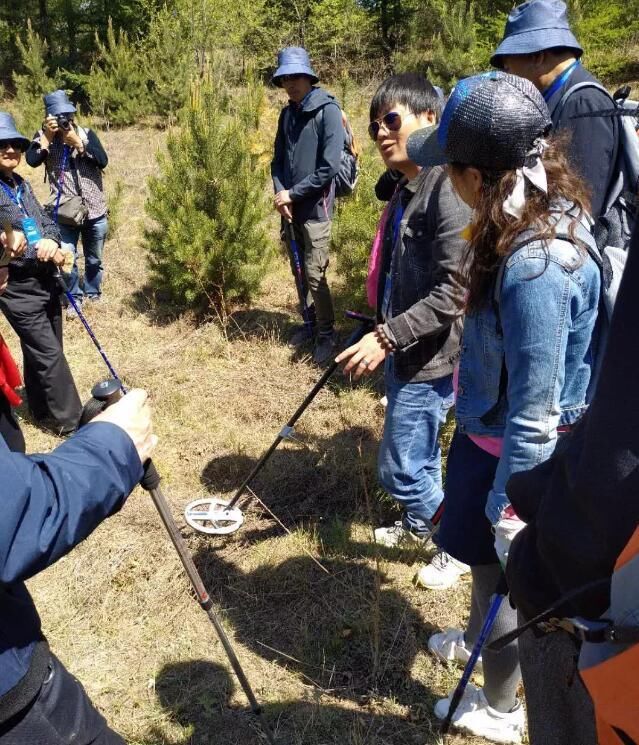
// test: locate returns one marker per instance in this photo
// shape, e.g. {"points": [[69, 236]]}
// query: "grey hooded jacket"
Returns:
{"points": [[308, 146]]}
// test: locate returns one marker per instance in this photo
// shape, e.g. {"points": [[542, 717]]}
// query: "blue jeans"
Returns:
{"points": [[409, 462], [93, 234]]}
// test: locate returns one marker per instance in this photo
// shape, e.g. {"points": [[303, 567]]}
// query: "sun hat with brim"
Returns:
{"points": [[534, 26], [57, 103], [490, 121], [8, 130], [293, 61]]}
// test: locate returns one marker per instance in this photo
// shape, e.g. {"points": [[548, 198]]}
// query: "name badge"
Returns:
{"points": [[31, 231]]}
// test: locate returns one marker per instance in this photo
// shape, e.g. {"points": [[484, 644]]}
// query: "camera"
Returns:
{"points": [[64, 122]]}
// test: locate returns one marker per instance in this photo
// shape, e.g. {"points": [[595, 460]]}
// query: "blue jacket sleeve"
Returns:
{"points": [[279, 153], [328, 156], [94, 150], [535, 321], [50, 503]]}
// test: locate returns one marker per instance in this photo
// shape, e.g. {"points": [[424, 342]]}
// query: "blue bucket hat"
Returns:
{"points": [[58, 103], [534, 26], [293, 61], [491, 121], [8, 130]]}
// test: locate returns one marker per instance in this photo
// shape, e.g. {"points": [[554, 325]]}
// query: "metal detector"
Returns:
{"points": [[103, 395], [216, 516]]}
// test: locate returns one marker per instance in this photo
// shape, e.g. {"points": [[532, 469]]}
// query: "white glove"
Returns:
{"points": [[505, 529]]}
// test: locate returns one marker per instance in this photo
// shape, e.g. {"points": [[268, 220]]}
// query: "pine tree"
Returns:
{"points": [[118, 84], [207, 243], [33, 84]]}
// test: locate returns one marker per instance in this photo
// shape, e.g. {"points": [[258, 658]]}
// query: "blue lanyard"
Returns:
{"points": [[16, 197], [65, 160], [559, 82]]}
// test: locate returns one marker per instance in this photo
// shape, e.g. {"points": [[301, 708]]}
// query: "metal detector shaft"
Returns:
{"points": [[299, 276], [151, 483], [286, 430]]}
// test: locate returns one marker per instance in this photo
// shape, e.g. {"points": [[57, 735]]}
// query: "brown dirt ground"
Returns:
{"points": [[336, 656]]}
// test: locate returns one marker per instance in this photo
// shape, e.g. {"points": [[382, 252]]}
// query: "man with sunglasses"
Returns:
{"points": [[308, 146], [420, 300]]}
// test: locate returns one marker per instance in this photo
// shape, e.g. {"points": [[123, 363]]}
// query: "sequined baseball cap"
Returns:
{"points": [[490, 121]]}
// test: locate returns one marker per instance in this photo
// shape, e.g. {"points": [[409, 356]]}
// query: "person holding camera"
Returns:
{"points": [[74, 160], [51, 503], [31, 300]]}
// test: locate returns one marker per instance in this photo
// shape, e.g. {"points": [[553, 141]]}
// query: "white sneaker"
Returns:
{"points": [[442, 572], [474, 715], [396, 535], [450, 646]]}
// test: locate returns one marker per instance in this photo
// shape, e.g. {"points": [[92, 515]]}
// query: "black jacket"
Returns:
{"points": [[308, 148], [592, 139], [582, 505], [427, 291]]}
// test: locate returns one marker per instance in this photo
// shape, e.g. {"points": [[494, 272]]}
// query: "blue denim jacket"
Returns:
{"points": [[538, 336]]}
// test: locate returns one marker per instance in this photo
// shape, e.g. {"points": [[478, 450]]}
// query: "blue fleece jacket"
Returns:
{"points": [[308, 147], [49, 504]]}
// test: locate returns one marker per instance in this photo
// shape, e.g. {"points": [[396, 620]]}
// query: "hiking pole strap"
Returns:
{"points": [[365, 325]]}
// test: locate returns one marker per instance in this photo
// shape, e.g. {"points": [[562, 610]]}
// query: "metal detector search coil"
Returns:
{"points": [[213, 516]]}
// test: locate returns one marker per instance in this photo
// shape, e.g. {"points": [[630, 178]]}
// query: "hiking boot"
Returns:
{"points": [[442, 572], [450, 646], [397, 535], [301, 335], [325, 347], [476, 716]]}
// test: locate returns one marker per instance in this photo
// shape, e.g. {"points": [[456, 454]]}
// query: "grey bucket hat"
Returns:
{"points": [[490, 121], [534, 26], [293, 61]]}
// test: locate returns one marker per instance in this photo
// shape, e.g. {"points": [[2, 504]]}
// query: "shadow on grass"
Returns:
{"points": [[197, 693]]}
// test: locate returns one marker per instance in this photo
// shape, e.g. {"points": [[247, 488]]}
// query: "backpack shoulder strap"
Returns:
{"points": [[580, 87]]}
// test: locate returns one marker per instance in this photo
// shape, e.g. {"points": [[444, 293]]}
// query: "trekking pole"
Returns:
{"points": [[489, 622], [103, 395], [225, 517], [299, 276]]}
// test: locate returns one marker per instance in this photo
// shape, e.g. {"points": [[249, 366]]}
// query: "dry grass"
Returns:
{"points": [[335, 657]]}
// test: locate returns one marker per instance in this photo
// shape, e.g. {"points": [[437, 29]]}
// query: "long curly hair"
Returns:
{"points": [[494, 233]]}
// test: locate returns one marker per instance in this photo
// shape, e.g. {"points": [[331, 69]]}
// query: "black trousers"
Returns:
{"points": [[9, 428], [61, 714], [31, 304]]}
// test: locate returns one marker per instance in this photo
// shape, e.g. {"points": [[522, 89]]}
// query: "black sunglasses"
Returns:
{"points": [[392, 121], [15, 144]]}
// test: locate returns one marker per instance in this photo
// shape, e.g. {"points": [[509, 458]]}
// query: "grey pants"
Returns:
{"points": [[559, 708], [501, 669], [313, 239]]}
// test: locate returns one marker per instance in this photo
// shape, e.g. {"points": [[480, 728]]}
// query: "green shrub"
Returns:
{"points": [[118, 82], [208, 244], [354, 228]]}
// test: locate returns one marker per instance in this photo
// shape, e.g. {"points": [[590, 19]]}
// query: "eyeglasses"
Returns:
{"points": [[291, 78], [392, 122], [14, 144]]}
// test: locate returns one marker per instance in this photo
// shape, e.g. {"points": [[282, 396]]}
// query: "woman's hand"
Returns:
{"points": [[13, 241], [132, 413], [72, 139], [46, 249], [49, 129], [4, 278], [364, 357]]}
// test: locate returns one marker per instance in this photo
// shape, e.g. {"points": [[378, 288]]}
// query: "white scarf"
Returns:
{"points": [[534, 174]]}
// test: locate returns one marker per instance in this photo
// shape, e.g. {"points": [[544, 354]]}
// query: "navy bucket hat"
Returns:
{"points": [[293, 61], [57, 103], [534, 26], [491, 121], [8, 130]]}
